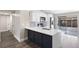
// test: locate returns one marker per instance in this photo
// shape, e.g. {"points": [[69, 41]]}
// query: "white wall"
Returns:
{"points": [[25, 18], [16, 26], [25, 21], [19, 22], [0, 36]]}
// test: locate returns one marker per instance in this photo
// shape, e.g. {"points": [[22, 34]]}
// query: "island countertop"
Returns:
{"points": [[44, 31], [56, 36]]}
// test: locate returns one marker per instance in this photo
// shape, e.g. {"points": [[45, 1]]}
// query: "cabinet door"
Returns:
{"points": [[47, 41], [34, 36], [38, 39], [31, 35]]}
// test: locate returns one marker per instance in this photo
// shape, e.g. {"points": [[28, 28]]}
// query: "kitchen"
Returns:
{"points": [[39, 28], [44, 35], [35, 26]]}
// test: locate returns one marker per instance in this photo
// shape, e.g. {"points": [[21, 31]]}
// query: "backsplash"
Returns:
{"points": [[40, 19]]}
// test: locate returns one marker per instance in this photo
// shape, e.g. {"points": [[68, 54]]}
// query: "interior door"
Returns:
{"points": [[4, 22]]}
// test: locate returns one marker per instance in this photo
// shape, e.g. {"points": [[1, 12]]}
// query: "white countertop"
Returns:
{"points": [[44, 31]]}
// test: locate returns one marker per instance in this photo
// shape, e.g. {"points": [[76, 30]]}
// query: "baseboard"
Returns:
{"points": [[18, 39], [24, 39]]}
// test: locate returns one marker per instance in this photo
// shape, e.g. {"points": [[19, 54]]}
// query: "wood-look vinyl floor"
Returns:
{"points": [[9, 41]]}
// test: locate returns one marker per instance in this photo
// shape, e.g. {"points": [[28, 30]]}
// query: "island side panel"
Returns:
{"points": [[57, 40]]}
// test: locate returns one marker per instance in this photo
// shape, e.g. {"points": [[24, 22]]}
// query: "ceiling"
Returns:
{"points": [[58, 11], [46, 11]]}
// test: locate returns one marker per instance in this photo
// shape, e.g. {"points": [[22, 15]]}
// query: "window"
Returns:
{"points": [[65, 21]]}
